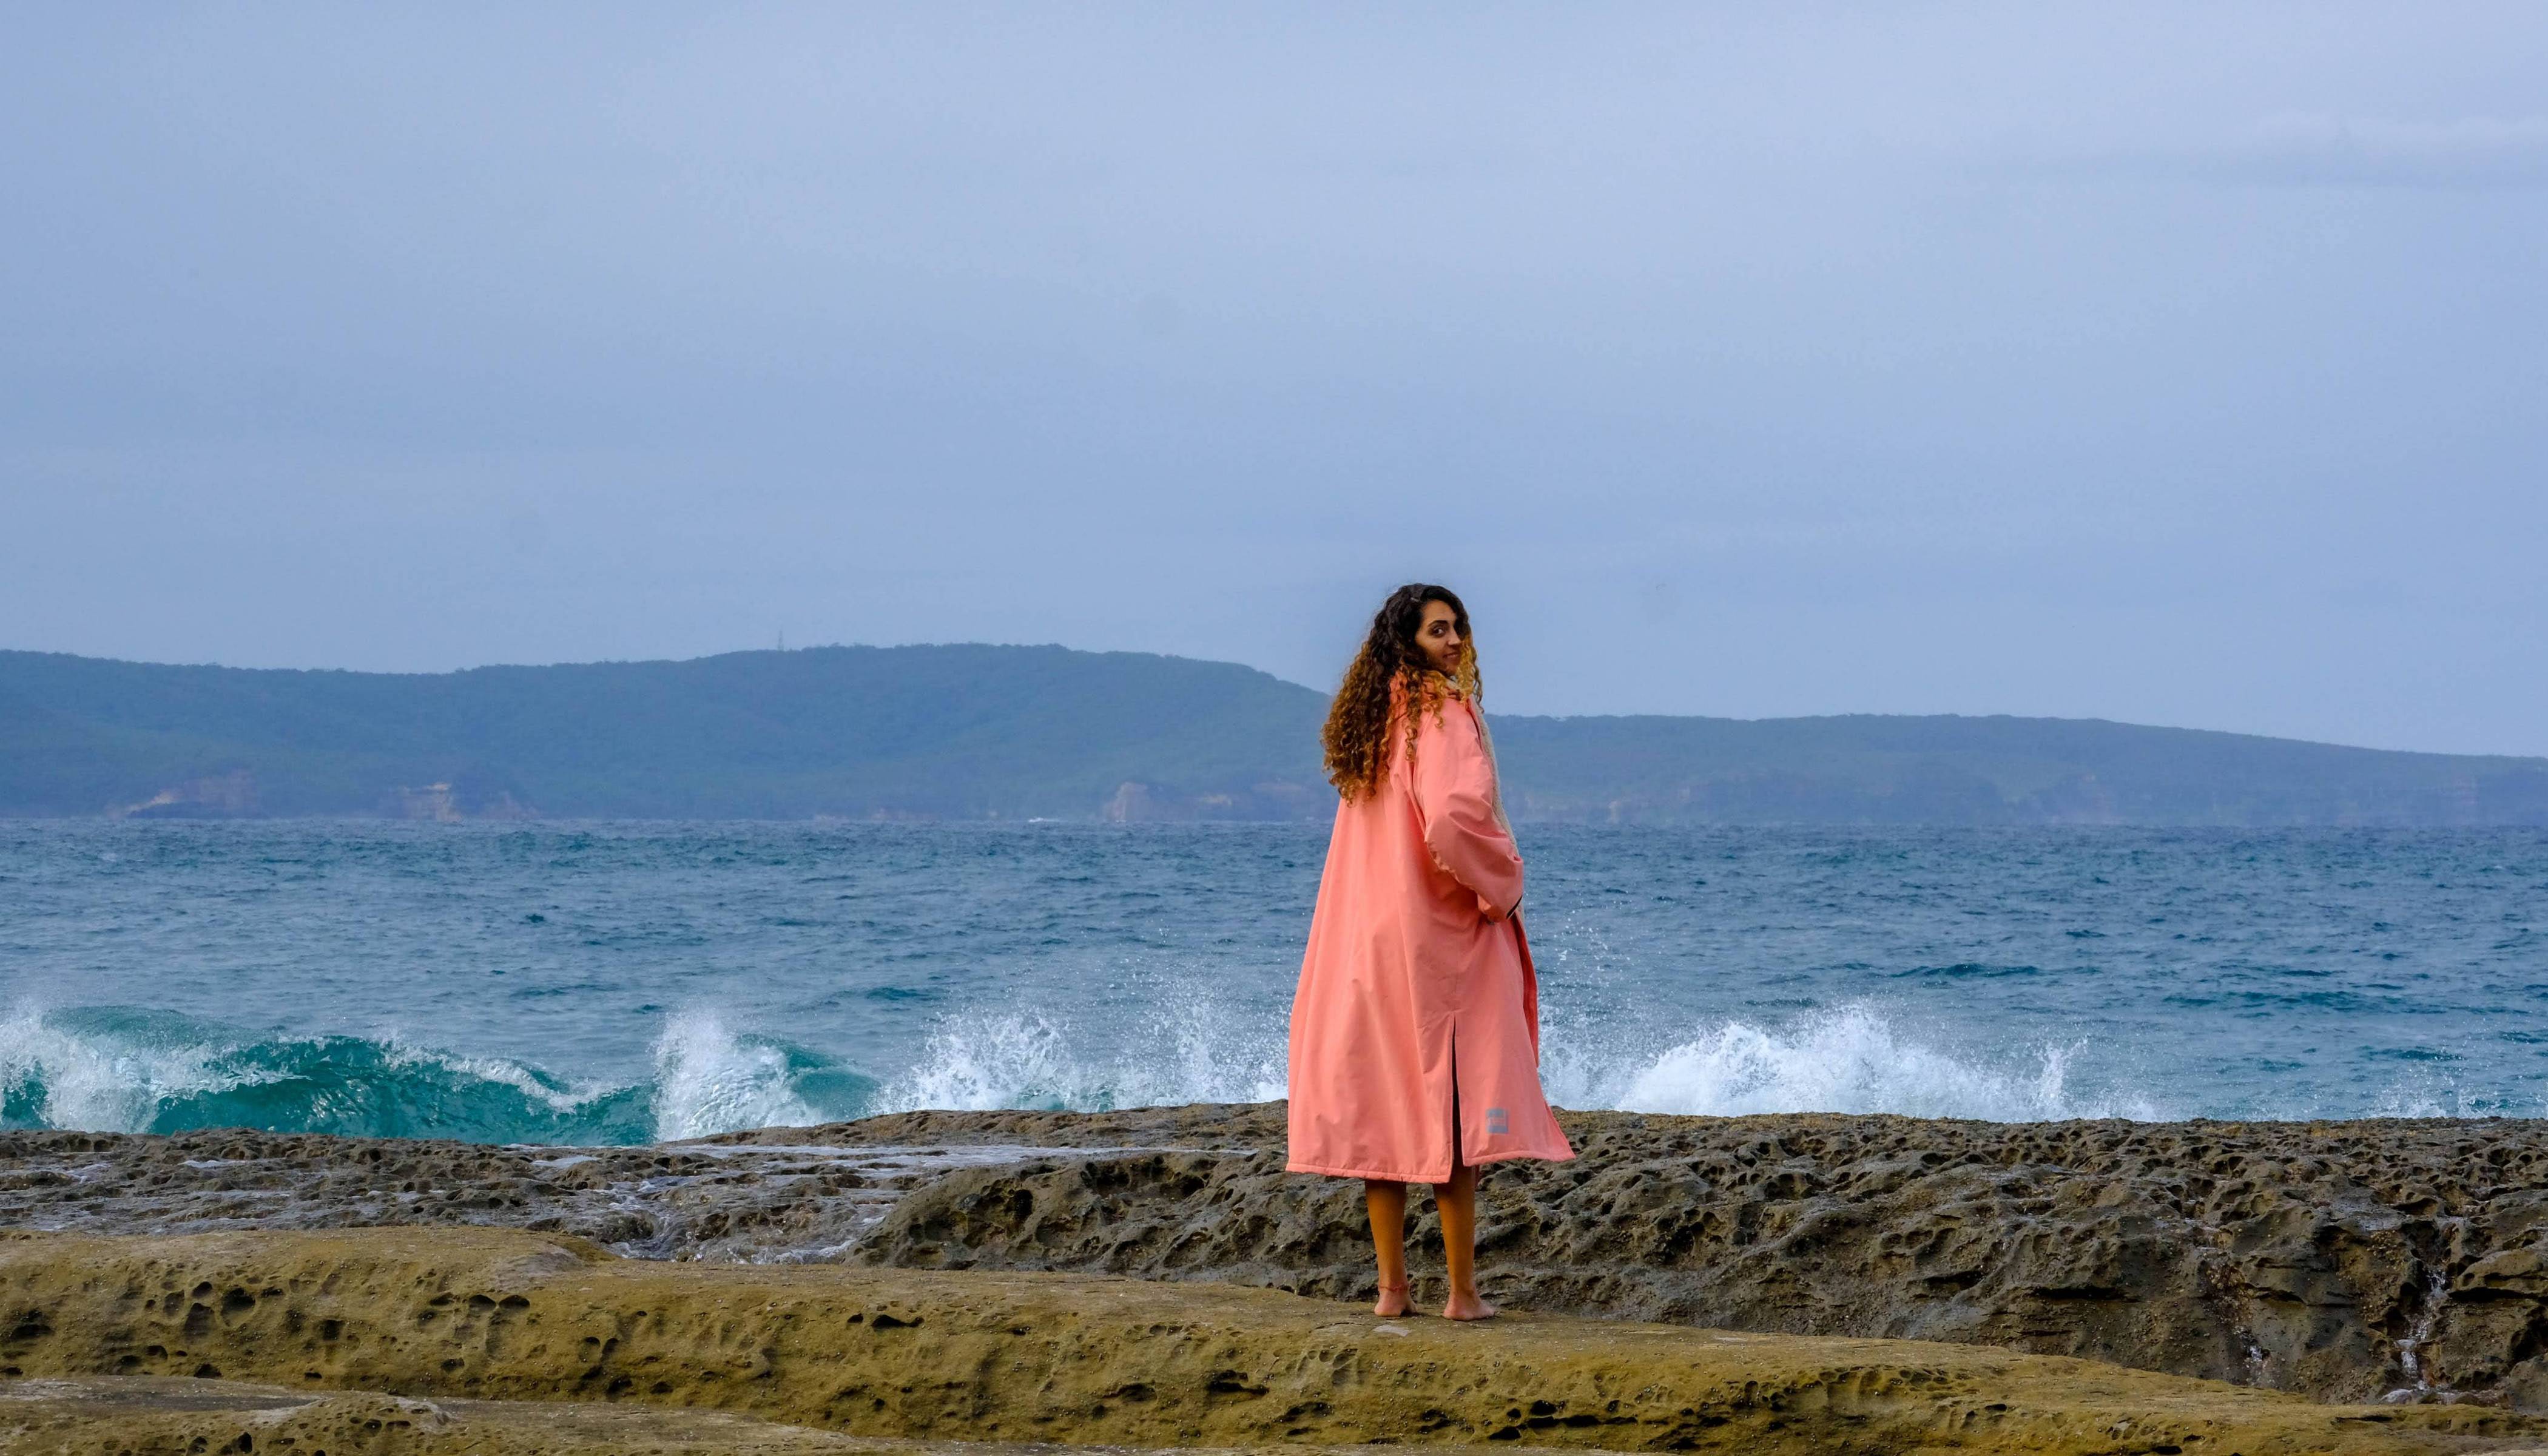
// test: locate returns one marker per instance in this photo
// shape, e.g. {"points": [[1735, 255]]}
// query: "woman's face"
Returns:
{"points": [[1437, 636]]}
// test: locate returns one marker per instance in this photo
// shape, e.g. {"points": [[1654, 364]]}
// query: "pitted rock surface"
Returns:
{"points": [[732, 1202], [471, 1327], [171, 1415], [2360, 1261], [2403, 1261]]}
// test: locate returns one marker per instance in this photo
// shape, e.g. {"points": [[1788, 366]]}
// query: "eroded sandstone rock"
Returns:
{"points": [[2343, 1261], [158, 1415], [2347, 1260], [439, 1314]]}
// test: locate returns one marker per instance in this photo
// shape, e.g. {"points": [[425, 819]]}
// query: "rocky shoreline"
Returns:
{"points": [[2369, 1261], [520, 1319]]}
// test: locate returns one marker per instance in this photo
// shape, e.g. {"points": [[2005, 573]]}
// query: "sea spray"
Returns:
{"points": [[1850, 1059], [1846, 1059], [2436, 1092], [1218, 1057], [982, 1063], [120, 1070], [106, 1068], [1188, 1050], [708, 1081]]}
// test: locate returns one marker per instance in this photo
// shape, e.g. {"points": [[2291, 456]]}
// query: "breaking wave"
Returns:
{"points": [[1852, 1060], [1849, 1060], [122, 1069], [1031, 1061]]}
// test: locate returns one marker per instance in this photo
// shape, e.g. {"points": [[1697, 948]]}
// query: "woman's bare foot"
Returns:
{"points": [[1467, 1306], [1392, 1303]]}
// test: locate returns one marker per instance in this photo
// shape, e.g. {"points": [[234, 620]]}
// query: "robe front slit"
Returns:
{"points": [[1455, 1100], [1414, 1045]]}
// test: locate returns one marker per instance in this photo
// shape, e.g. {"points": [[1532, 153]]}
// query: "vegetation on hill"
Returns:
{"points": [[976, 732]]}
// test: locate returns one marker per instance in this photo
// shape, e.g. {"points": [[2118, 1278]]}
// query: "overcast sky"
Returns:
{"points": [[2180, 365]]}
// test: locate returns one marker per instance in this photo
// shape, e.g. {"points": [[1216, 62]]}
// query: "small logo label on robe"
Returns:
{"points": [[1496, 1120]]}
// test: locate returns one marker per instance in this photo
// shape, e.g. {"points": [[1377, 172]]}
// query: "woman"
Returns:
{"points": [[1415, 1030]]}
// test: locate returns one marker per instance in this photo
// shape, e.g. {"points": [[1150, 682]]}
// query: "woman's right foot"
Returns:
{"points": [[1392, 1303], [1467, 1306]]}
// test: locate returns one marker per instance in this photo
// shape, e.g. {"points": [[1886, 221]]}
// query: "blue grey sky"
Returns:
{"points": [[2176, 364]]}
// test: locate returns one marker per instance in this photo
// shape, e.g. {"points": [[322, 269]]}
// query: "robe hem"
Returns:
{"points": [[1567, 1156]]}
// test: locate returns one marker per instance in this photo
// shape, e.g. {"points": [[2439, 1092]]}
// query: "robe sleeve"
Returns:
{"points": [[1455, 797]]}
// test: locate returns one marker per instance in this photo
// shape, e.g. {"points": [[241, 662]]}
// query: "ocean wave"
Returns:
{"points": [[710, 1080], [125, 1070], [1188, 1050], [1845, 1060]]}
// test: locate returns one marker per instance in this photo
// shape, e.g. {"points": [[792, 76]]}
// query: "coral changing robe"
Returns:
{"points": [[1418, 982]]}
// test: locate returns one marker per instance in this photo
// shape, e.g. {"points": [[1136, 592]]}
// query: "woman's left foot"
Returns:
{"points": [[1392, 1302], [1467, 1306]]}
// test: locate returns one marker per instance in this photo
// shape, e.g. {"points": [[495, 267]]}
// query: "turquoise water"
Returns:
{"points": [[622, 983]]}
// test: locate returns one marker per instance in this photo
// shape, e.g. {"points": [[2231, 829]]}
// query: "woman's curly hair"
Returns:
{"points": [[1390, 670]]}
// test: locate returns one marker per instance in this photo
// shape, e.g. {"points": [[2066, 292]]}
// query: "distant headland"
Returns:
{"points": [[1020, 733]]}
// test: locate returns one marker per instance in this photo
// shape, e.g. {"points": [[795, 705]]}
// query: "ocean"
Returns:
{"points": [[628, 983]]}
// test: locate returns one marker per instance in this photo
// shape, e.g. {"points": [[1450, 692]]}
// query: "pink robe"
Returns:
{"points": [[1417, 975]]}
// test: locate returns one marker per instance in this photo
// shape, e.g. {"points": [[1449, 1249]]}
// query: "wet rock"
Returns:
{"points": [[738, 1202]]}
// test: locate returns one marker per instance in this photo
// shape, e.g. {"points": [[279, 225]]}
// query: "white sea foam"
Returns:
{"points": [[707, 1080], [1188, 1052], [1195, 1048], [104, 1081], [980, 1062], [402, 1055], [1849, 1060], [116, 1070]]}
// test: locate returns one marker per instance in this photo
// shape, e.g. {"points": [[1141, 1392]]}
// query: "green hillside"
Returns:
{"points": [[976, 732]]}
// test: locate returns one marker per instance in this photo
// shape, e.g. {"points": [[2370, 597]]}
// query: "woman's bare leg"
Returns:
{"points": [[1457, 1201], [1386, 1204]]}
